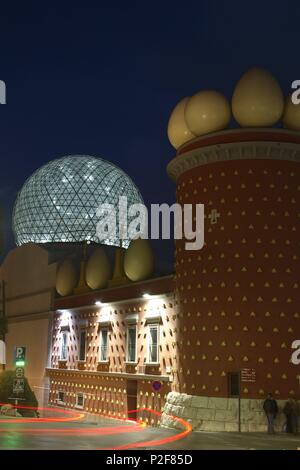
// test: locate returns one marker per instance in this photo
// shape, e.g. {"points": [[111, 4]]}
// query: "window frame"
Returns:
{"points": [[128, 361], [58, 401], [62, 334], [152, 326], [80, 407], [82, 330], [102, 330]]}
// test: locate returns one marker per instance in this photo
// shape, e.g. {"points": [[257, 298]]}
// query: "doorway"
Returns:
{"points": [[132, 398]]}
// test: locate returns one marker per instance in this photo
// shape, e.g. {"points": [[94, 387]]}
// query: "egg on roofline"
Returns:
{"points": [[138, 260], [98, 269], [66, 278], [178, 132], [257, 99], [207, 111], [291, 115]]}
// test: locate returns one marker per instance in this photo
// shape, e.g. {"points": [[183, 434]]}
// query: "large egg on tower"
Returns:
{"points": [[291, 115], [257, 100], [207, 111], [178, 132]]}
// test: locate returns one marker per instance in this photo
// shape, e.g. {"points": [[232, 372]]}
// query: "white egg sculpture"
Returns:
{"points": [[98, 269], [178, 132], [207, 111], [291, 115], [257, 100], [66, 278]]}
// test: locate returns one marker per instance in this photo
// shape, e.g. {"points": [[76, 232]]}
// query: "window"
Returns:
{"points": [[153, 343], [234, 384], [104, 345], [64, 346], [61, 396], [82, 345], [131, 344], [79, 400]]}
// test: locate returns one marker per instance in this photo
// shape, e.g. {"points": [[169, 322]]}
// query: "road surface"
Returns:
{"points": [[113, 434]]}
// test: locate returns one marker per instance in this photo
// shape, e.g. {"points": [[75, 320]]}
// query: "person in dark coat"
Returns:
{"points": [[271, 409], [292, 412]]}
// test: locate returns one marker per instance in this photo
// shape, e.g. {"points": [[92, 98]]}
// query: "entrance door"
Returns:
{"points": [[132, 398]]}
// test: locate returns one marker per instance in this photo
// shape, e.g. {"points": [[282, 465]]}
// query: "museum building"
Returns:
{"points": [[207, 343]]}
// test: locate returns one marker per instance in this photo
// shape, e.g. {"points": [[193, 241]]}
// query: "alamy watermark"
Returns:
{"points": [[295, 358], [128, 222], [295, 97], [2, 92]]}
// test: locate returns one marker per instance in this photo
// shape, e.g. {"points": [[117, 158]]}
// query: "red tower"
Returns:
{"points": [[239, 296]]}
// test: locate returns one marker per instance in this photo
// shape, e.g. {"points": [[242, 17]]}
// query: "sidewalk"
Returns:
{"points": [[237, 441]]}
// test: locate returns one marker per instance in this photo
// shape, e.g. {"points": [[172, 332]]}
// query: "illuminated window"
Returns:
{"points": [[64, 346], [153, 337], [82, 345], [103, 345], [131, 344]]}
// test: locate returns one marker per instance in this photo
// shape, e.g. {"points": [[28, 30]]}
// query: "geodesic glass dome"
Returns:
{"points": [[59, 201]]}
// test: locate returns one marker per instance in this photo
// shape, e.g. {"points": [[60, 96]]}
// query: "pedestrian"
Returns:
{"points": [[292, 412], [271, 409]]}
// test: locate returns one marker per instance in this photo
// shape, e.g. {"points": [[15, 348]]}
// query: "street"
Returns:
{"points": [[113, 434]]}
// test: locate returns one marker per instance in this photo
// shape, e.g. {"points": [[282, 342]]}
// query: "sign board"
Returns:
{"points": [[16, 398], [2, 352], [20, 353], [18, 386], [156, 385], [19, 373], [248, 375]]}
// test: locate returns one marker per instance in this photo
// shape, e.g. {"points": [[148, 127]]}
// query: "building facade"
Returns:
{"points": [[207, 344], [114, 350]]}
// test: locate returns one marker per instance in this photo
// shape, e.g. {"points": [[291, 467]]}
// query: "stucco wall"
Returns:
{"points": [[33, 334], [29, 280], [29, 285]]}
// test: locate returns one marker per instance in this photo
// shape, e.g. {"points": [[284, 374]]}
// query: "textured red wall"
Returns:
{"points": [[239, 295]]}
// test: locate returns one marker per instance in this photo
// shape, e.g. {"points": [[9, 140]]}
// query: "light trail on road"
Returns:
{"points": [[71, 416], [157, 442]]}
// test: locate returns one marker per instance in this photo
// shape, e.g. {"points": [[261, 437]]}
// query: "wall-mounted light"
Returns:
{"points": [[64, 317], [147, 296], [98, 303]]}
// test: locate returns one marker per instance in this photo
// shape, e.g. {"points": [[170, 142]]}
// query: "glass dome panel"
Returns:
{"points": [[58, 202]]}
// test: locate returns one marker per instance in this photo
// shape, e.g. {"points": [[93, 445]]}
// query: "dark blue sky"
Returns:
{"points": [[101, 78]]}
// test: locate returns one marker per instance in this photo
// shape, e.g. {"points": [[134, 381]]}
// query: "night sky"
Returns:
{"points": [[101, 78]]}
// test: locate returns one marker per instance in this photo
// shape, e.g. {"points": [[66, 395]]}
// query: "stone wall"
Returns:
{"points": [[218, 414]]}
